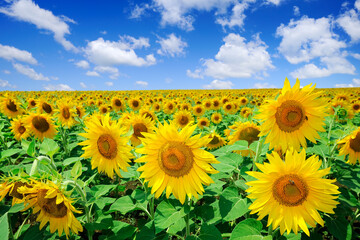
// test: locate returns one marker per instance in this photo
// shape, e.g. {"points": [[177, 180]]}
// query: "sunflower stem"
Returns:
{"points": [[34, 167], [188, 202], [11, 234], [270, 230], [64, 140], [331, 124], [258, 152], [19, 230], [152, 207]]}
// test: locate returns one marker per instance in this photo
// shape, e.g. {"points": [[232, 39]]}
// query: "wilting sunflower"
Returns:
{"points": [[183, 118], [54, 207], [247, 131], [350, 145], [292, 192], [203, 122], [40, 125], [19, 130], [295, 115], [216, 141], [10, 185], [216, 118], [10, 107], [175, 161], [105, 145], [140, 124], [66, 113]]}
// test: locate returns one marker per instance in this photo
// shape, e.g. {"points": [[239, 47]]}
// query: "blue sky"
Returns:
{"points": [[178, 44]]}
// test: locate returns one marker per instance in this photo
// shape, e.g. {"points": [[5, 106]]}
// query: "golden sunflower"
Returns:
{"points": [[243, 101], [10, 107], [203, 122], [355, 107], [54, 207], [10, 185], [80, 112], [295, 115], [247, 131], [105, 146], [216, 118], [198, 110], [40, 125], [183, 118], [44, 107], [117, 104], [19, 130], [350, 145], [66, 113], [148, 114], [31, 103], [292, 192], [216, 141], [229, 107], [140, 124], [175, 161], [245, 112], [169, 107], [103, 109], [216, 104], [135, 104]]}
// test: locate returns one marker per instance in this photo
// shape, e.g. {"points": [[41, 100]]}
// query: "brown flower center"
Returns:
{"points": [[290, 190], [21, 129], [11, 106], [78, 112], [215, 140], [32, 103], [138, 128], [176, 159], [355, 143], [46, 107], [135, 103], [184, 120], [107, 146], [40, 124], [249, 134], [66, 113], [118, 103], [290, 116], [49, 205], [356, 106], [14, 192]]}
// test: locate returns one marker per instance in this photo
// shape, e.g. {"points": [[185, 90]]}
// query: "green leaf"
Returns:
{"points": [[102, 202], [4, 226], [124, 205], [228, 163], [339, 227], [16, 208], [232, 205], [76, 171], [105, 223], [238, 209], [9, 153], [241, 184], [209, 232], [49, 147], [166, 215], [100, 190], [71, 160], [147, 231], [122, 230]]}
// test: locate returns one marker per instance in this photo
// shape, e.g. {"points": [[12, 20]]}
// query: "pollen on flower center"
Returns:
{"points": [[11, 106], [290, 190], [46, 107], [66, 113], [107, 146], [290, 116], [176, 159], [355, 143], [40, 124], [21, 129], [49, 205]]}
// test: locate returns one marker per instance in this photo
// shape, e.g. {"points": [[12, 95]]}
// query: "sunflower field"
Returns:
{"points": [[181, 164]]}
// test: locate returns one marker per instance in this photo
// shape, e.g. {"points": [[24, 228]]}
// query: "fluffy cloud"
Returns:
{"points": [[264, 85], [106, 53], [172, 46], [11, 53], [309, 39], [357, 5], [58, 87], [28, 11], [197, 73], [6, 71], [296, 11], [92, 74], [138, 11], [82, 64], [109, 84], [356, 55], [83, 85], [237, 59], [219, 84], [355, 83], [142, 83], [237, 16], [275, 2], [4, 84], [350, 22], [112, 71], [30, 72]]}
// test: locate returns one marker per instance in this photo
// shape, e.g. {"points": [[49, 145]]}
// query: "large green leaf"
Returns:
{"points": [[166, 215], [49, 147], [124, 205], [4, 226], [232, 205]]}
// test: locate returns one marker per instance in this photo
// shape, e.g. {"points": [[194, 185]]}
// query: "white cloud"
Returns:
{"points": [[275, 2], [83, 85], [309, 39], [264, 85], [197, 73], [30, 72], [350, 22], [54, 78], [172, 46], [28, 11], [103, 32], [11, 53], [237, 59], [357, 5], [58, 87], [82, 64], [138, 11], [218, 84], [237, 17], [109, 84], [4, 83], [142, 83], [356, 55], [92, 74], [134, 43], [6, 71], [296, 11], [355, 83], [112, 71], [106, 53]]}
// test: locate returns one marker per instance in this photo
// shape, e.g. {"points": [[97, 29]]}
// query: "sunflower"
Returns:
{"points": [[245, 112], [207, 104], [292, 192], [295, 115], [117, 104], [66, 113], [80, 112], [19, 130], [203, 122], [103, 109], [10, 107], [134, 104], [244, 131], [183, 118], [54, 207], [175, 161], [355, 107], [243, 101], [198, 110], [139, 124], [350, 145], [169, 107], [216, 141], [216, 118], [216, 104], [229, 107], [148, 114], [31, 103], [40, 125], [105, 146], [10, 185], [44, 107]]}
